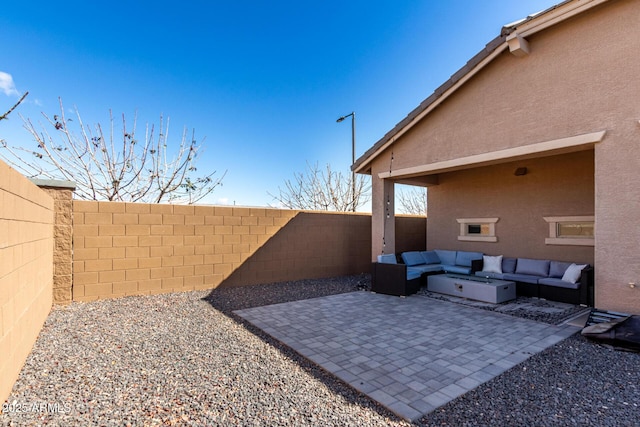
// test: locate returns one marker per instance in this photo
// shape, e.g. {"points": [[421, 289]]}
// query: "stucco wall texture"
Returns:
{"points": [[132, 249], [26, 270], [554, 186], [580, 77]]}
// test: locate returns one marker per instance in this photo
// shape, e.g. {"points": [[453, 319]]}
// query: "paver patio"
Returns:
{"points": [[412, 354]]}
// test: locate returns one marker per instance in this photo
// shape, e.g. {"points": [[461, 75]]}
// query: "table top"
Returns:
{"points": [[479, 279]]}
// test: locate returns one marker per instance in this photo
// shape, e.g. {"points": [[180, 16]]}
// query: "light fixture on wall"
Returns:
{"points": [[520, 171]]}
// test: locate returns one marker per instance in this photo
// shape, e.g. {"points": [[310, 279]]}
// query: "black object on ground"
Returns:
{"points": [[620, 331]]}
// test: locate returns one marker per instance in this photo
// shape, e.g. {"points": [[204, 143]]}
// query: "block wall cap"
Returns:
{"points": [[54, 183]]}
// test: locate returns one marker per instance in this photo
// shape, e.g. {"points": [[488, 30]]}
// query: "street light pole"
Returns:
{"points": [[353, 155]]}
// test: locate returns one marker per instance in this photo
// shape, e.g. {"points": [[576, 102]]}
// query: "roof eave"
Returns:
{"points": [[525, 27], [475, 64]]}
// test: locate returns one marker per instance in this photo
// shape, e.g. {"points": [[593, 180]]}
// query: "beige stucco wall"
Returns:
{"points": [[580, 77], [553, 186], [26, 270]]}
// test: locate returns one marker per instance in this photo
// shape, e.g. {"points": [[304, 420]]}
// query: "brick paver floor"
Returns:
{"points": [[412, 354]]}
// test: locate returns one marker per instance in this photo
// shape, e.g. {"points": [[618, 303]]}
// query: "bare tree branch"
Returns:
{"points": [[412, 200], [117, 166], [5, 115], [323, 190]]}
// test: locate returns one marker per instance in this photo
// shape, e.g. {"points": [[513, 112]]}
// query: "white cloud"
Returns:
{"points": [[6, 84], [223, 201]]}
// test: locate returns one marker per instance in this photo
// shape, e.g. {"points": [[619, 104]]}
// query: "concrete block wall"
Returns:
{"points": [[26, 270], [125, 249]]}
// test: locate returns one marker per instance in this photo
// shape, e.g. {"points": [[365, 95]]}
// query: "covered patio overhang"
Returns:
{"points": [[427, 175]]}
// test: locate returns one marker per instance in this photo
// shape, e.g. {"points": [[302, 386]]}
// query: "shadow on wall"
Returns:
{"points": [[311, 245], [318, 245]]}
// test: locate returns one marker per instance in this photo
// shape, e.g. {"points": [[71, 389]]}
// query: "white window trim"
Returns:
{"points": [[465, 236], [553, 238]]}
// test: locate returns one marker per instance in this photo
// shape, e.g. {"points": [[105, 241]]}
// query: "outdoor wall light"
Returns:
{"points": [[520, 171]]}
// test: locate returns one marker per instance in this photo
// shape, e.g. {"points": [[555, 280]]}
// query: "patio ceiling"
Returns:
{"points": [[426, 174]]}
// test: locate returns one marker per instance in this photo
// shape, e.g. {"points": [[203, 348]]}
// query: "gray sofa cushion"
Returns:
{"points": [[557, 269], [464, 258], [430, 257], [446, 257], [559, 283], [412, 258], [533, 267], [526, 278], [509, 265]]}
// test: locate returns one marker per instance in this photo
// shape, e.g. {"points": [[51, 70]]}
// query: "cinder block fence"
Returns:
{"points": [[130, 249], [122, 249]]}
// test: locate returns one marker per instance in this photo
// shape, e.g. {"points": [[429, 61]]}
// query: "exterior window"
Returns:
{"points": [[575, 229], [474, 228], [478, 229], [571, 230]]}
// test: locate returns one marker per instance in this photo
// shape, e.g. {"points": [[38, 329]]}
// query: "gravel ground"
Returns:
{"points": [[184, 359]]}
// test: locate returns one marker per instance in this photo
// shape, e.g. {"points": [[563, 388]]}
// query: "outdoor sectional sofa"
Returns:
{"points": [[552, 280], [394, 278]]}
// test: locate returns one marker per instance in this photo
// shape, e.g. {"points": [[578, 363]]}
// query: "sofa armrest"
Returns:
{"points": [[381, 273], [391, 279]]}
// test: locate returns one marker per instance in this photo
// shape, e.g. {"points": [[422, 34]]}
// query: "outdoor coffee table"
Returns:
{"points": [[472, 287]]}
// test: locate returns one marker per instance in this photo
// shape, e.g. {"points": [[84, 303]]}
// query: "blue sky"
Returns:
{"points": [[262, 82]]}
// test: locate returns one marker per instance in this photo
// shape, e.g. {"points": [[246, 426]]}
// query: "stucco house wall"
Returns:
{"points": [[580, 77]]}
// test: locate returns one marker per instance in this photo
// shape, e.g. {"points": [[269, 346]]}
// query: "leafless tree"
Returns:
{"points": [[113, 165], [412, 200], [325, 190]]}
